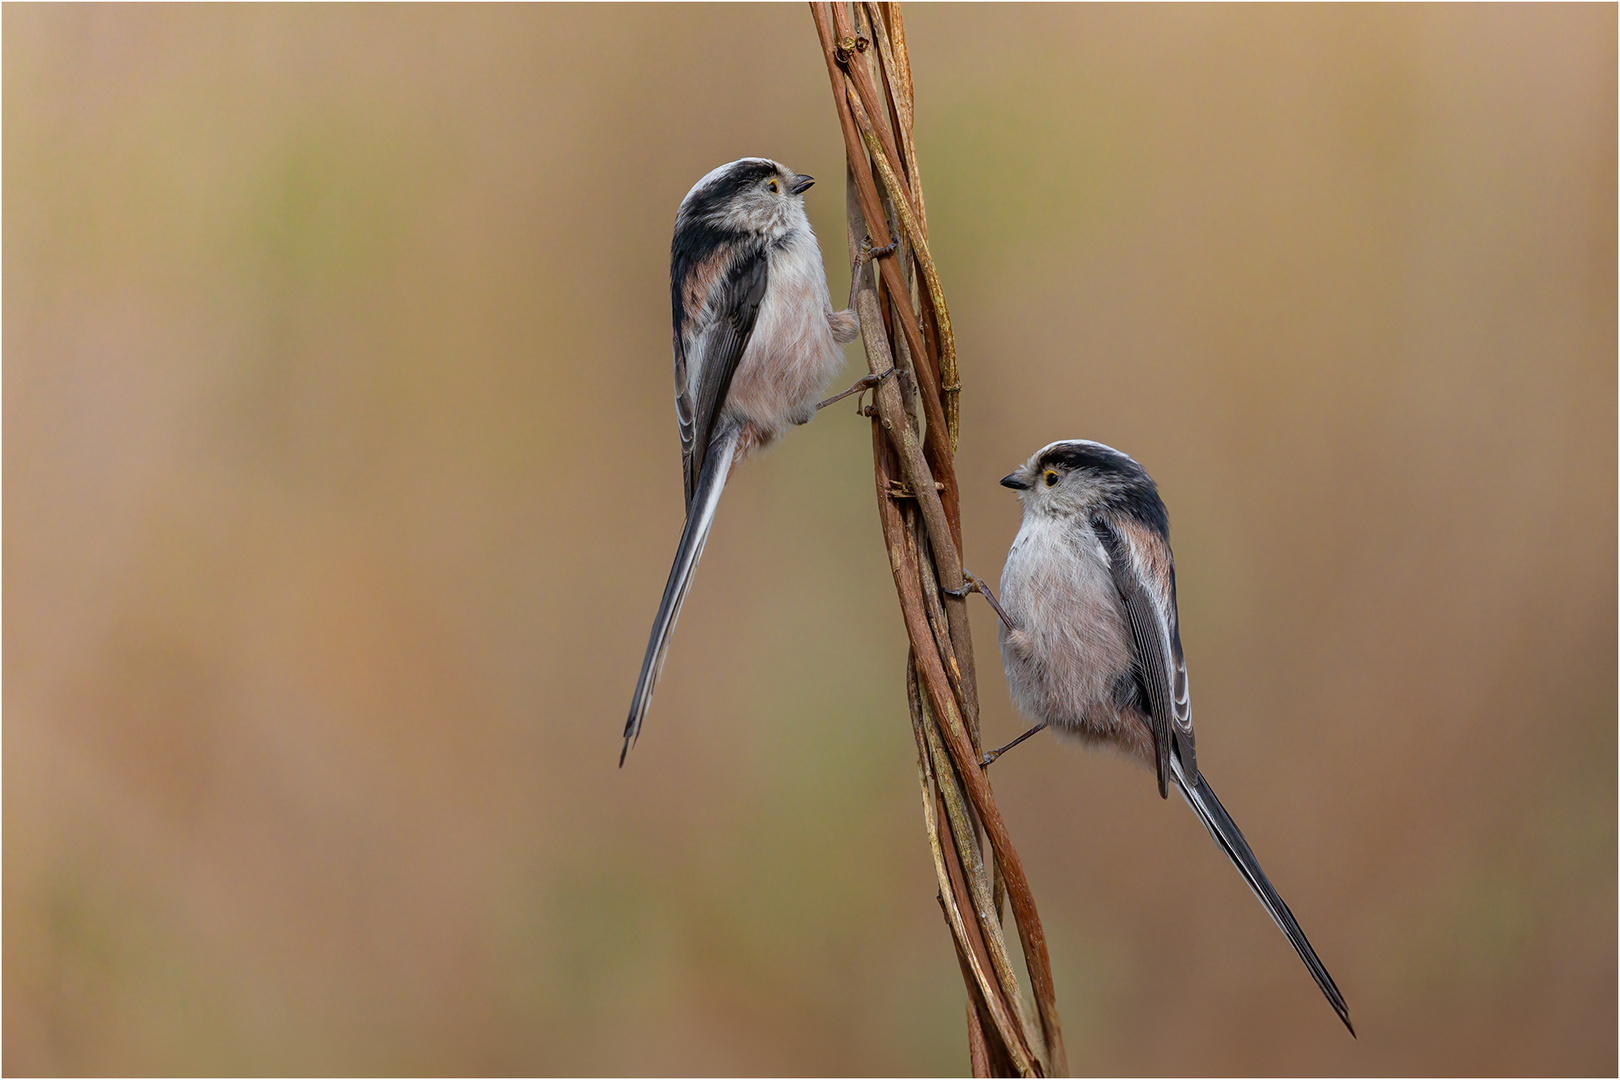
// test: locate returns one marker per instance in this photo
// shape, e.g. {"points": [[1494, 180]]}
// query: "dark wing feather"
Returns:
{"points": [[710, 349], [1150, 630], [1180, 696]]}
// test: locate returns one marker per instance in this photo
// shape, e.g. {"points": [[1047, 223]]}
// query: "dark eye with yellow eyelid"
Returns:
{"points": [[772, 186], [1051, 478]]}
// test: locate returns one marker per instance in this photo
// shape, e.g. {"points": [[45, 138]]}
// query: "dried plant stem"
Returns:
{"points": [[979, 886], [925, 262], [914, 436], [937, 437], [897, 73], [971, 946]]}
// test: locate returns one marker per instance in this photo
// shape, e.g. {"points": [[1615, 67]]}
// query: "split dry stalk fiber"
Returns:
{"points": [[906, 324]]}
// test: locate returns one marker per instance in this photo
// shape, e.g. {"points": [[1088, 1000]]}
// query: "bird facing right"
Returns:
{"points": [[755, 341], [1091, 640]]}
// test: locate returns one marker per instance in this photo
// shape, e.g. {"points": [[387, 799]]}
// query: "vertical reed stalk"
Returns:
{"points": [[905, 321]]}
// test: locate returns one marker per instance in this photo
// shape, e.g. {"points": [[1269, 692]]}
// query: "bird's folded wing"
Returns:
{"points": [[1180, 696], [1150, 629], [707, 353]]}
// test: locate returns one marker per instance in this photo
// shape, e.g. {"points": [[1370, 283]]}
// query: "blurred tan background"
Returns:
{"points": [[341, 480]]}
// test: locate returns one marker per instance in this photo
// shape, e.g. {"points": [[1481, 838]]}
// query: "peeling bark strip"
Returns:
{"points": [[905, 322]]}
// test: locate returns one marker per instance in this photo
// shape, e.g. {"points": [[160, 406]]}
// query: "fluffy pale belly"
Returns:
{"points": [[782, 375], [1069, 663], [791, 354]]}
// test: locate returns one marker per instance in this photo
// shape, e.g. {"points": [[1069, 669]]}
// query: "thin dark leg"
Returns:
{"points": [[867, 254], [985, 761], [975, 585], [865, 382]]}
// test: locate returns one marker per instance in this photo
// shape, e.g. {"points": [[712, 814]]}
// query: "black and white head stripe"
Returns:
{"points": [[1126, 485], [1086, 454], [713, 194]]}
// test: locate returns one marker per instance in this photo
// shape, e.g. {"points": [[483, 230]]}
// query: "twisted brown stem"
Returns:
{"points": [[868, 66]]}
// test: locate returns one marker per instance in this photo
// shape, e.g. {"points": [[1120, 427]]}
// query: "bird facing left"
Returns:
{"points": [[756, 342]]}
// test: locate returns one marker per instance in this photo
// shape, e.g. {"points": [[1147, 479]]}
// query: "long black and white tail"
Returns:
{"points": [[1201, 797], [699, 519]]}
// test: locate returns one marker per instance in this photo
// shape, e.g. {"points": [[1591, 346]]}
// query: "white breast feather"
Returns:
{"points": [[792, 355], [1073, 638]]}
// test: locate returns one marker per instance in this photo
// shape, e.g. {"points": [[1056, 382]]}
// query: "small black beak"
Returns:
{"points": [[801, 184], [1011, 480]]}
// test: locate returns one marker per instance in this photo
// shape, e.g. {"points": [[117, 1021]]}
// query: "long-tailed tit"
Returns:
{"points": [[756, 342], [1091, 642]]}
